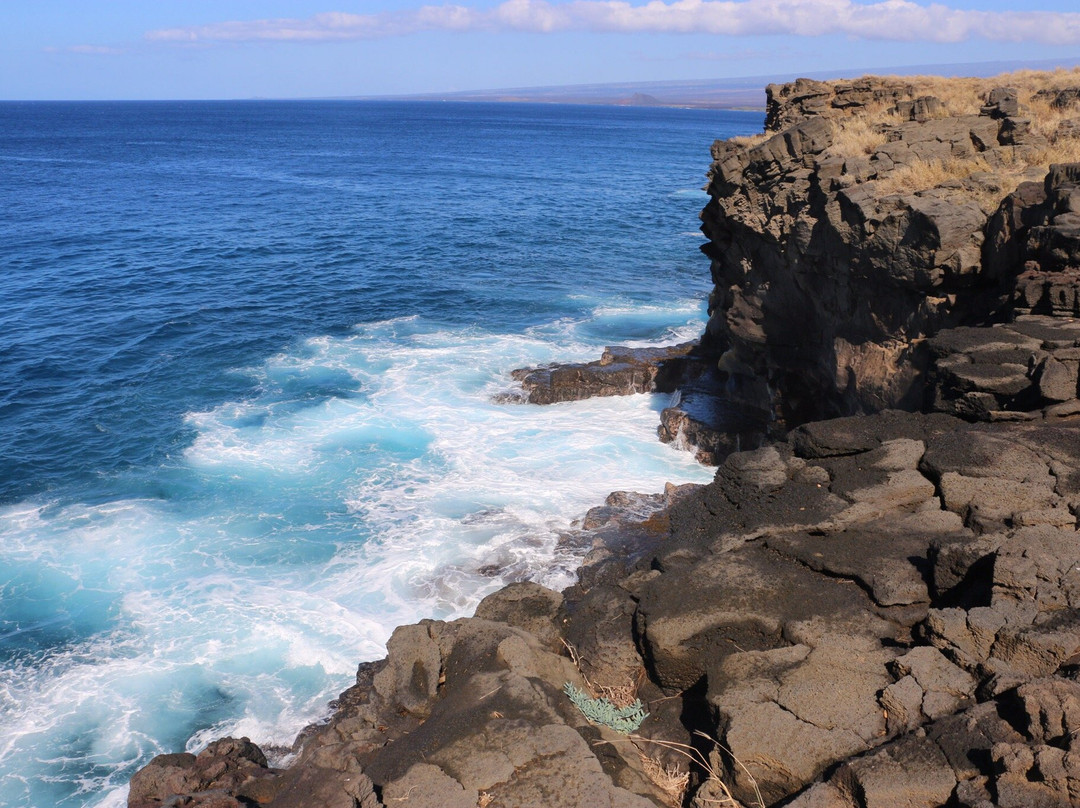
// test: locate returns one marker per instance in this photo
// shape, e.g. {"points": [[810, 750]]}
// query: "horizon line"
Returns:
{"points": [[730, 85]]}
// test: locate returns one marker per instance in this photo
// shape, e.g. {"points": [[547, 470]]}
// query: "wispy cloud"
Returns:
{"points": [[742, 55], [726, 56], [901, 20], [92, 50]]}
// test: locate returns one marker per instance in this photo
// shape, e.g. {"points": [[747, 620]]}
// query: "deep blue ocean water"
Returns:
{"points": [[248, 355]]}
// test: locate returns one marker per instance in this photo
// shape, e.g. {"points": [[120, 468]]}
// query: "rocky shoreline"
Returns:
{"points": [[875, 601]]}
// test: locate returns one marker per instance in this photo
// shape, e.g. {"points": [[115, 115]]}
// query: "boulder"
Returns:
{"points": [[217, 777], [998, 753], [527, 606], [1001, 102]]}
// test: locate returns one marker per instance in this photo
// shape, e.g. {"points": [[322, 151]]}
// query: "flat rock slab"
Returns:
{"points": [[1024, 366], [740, 603], [620, 371]]}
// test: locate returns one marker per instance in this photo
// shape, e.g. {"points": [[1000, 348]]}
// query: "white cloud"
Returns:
{"points": [[320, 28], [883, 20]]}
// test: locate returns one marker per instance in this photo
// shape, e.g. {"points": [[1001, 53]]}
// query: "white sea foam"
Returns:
{"points": [[372, 482], [646, 312], [691, 193]]}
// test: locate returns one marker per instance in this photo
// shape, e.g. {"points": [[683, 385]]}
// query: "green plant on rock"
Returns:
{"points": [[601, 711]]}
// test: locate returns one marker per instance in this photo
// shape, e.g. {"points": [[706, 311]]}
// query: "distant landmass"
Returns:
{"points": [[747, 92]]}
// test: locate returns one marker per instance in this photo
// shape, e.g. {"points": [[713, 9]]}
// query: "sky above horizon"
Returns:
{"points": [[195, 49]]}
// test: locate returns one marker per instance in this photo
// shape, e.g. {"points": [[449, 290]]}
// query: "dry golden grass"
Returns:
{"points": [[723, 796], [672, 782], [1030, 82], [620, 695], [1045, 119], [864, 130], [749, 141], [920, 175], [960, 96], [1064, 150], [858, 134], [965, 96]]}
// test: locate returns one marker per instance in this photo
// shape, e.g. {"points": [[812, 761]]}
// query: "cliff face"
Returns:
{"points": [[857, 226]]}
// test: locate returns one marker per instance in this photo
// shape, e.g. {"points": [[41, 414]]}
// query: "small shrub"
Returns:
{"points": [[601, 711]]}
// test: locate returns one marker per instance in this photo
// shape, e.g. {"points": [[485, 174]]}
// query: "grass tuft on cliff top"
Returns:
{"points": [[866, 130]]}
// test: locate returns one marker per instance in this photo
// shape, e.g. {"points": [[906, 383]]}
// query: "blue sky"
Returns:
{"points": [[139, 49]]}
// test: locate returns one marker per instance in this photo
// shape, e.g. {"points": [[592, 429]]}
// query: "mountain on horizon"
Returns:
{"points": [[746, 92]]}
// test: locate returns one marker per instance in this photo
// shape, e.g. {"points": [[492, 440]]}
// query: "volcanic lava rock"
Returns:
{"points": [[829, 272], [620, 371]]}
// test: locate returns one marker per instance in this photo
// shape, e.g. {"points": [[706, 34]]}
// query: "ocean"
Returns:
{"points": [[249, 361]]}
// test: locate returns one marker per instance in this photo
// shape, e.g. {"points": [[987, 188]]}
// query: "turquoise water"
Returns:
{"points": [[248, 361]]}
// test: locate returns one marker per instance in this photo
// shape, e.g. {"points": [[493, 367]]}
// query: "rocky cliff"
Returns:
{"points": [[878, 609], [868, 217]]}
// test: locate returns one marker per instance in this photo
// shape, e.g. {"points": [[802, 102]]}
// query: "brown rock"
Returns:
{"points": [[527, 606], [211, 779], [906, 774]]}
